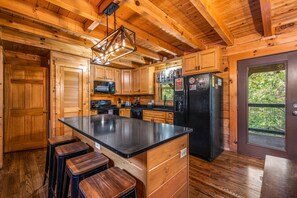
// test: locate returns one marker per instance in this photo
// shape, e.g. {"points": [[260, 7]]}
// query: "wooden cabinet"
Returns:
{"points": [[109, 74], [103, 73], [143, 80], [126, 82], [146, 80], [93, 112], [158, 116], [136, 81], [203, 62], [125, 112], [169, 118], [190, 63], [118, 81]]}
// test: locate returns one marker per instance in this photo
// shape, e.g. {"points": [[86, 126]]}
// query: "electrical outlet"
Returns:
{"points": [[183, 152], [97, 145]]}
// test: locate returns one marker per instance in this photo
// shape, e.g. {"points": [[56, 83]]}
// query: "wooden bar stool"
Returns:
{"points": [[62, 153], [81, 167], [52, 143], [111, 183]]}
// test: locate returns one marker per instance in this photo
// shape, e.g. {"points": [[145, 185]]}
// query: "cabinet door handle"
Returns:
{"points": [[198, 67]]}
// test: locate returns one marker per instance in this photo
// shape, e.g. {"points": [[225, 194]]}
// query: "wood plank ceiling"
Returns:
{"points": [[164, 28]]}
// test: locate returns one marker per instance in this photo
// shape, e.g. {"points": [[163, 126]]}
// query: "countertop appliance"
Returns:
{"points": [[198, 105], [104, 107], [104, 87]]}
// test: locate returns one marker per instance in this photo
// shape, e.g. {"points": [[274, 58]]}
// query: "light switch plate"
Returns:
{"points": [[183, 152], [97, 145]]}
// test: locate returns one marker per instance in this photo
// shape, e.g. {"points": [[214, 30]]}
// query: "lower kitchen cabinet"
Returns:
{"points": [[158, 116], [125, 112]]}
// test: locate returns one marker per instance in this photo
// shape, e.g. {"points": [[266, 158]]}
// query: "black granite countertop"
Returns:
{"points": [[125, 136], [155, 108]]}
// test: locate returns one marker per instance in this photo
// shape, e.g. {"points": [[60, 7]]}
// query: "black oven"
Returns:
{"points": [[104, 87]]}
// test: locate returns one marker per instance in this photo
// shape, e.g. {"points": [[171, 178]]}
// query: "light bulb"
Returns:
{"points": [[124, 43]]}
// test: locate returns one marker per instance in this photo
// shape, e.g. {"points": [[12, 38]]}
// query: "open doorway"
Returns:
{"points": [[267, 101]]}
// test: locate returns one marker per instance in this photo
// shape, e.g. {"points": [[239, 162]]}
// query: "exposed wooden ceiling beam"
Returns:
{"points": [[135, 58], [206, 10], [25, 26], [156, 16], [266, 18], [81, 7], [37, 41], [90, 26], [70, 26], [148, 53]]}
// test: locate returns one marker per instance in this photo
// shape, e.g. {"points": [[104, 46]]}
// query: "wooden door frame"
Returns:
{"points": [[287, 47], [57, 60], [1, 105]]}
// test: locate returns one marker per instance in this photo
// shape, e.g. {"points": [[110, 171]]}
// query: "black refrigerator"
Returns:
{"points": [[198, 105]]}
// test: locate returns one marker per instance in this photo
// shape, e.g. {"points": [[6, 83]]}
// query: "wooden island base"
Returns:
{"points": [[159, 171]]}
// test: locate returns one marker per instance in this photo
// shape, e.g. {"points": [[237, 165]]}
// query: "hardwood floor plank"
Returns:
{"points": [[230, 175]]}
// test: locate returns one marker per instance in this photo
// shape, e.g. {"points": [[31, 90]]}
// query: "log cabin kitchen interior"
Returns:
{"points": [[148, 98]]}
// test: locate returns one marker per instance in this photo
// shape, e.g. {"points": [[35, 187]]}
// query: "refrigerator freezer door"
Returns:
{"points": [[198, 114]]}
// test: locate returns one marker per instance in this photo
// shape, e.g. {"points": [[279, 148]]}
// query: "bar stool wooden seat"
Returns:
{"points": [[111, 183], [62, 153], [81, 167]]}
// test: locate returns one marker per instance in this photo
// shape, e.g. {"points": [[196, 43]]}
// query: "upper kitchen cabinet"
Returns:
{"points": [[203, 62], [136, 81], [103, 73], [146, 85], [126, 82], [118, 81]]}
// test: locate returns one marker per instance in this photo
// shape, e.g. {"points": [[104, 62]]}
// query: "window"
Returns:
{"points": [[266, 106], [166, 90]]}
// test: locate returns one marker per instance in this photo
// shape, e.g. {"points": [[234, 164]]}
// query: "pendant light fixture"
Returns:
{"points": [[115, 45]]}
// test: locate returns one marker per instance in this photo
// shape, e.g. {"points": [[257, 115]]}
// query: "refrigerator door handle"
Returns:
{"points": [[186, 104]]}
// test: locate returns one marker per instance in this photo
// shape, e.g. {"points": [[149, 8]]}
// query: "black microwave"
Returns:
{"points": [[104, 87]]}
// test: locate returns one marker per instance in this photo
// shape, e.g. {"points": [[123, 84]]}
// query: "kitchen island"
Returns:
{"points": [[155, 154]]}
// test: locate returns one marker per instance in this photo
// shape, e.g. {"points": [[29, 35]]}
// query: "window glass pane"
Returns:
{"points": [[266, 106], [167, 90]]}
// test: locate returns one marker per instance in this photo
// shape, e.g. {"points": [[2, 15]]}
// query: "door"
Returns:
{"points": [[190, 63], [135, 81], [126, 82], [71, 95], [118, 81], [109, 74], [267, 106], [198, 113], [99, 73], [26, 109], [144, 80]]}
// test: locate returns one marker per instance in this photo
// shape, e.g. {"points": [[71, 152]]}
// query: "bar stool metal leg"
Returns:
{"points": [[46, 165]]}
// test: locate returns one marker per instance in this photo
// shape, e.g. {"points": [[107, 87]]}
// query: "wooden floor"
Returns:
{"points": [[230, 175]]}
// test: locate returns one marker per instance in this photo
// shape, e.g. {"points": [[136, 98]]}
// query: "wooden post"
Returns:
{"points": [[1, 107]]}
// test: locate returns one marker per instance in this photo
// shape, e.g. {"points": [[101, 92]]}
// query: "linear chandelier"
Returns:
{"points": [[117, 44]]}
